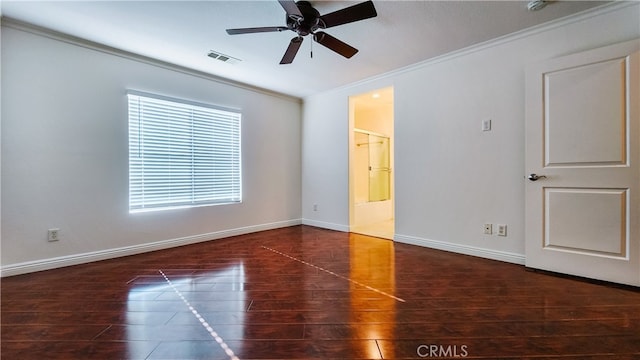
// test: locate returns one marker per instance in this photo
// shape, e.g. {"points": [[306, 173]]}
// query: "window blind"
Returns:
{"points": [[181, 154]]}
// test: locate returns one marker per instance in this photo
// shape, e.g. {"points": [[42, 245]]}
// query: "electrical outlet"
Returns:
{"points": [[502, 230], [488, 229], [53, 235], [315, 207]]}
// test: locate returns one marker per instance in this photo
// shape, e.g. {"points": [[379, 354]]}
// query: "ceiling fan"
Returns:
{"points": [[303, 19]]}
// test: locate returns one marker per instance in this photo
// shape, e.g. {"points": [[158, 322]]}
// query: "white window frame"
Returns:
{"points": [[182, 154]]}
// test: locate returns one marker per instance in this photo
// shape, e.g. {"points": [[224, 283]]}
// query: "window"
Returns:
{"points": [[181, 154]]}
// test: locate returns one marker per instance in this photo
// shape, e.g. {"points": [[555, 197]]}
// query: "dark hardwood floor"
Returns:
{"points": [[308, 293]]}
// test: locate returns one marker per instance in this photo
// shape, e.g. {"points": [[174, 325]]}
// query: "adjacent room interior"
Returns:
{"points": [[320, 180], [371, 163]]}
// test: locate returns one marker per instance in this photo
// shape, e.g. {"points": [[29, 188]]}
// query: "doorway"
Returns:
{"points": [[371, 201]]}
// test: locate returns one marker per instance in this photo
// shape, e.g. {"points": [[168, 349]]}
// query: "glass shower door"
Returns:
{"points": [[379, 168]]}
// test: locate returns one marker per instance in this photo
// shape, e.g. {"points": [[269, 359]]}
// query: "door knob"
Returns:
{"points": [[535, 177]]}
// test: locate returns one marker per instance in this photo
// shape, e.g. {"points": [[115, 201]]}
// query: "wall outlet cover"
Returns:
{"points": [[53, 235]]}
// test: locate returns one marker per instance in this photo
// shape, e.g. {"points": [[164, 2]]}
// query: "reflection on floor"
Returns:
{"points": [[308, 293], [383, 229]]}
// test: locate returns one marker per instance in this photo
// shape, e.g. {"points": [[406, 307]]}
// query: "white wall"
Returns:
{"points": [[65, 155], [450, 177]]}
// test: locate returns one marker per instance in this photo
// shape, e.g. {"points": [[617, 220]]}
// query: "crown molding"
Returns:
{"points": [[73, 40], [531, 31]]}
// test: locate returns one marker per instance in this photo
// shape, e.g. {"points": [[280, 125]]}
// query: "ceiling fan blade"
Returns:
{"points": [[292, 50], [256, 30], [334, 44], [290, 7], [347, 15]]}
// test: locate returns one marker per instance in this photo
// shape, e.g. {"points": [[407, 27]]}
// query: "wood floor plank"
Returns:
{"points": [[308, 293]]}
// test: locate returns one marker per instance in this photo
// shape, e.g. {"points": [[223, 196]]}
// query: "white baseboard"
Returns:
{"points": [[462, 249], [76, 259], [435, 244], [326, 225]]}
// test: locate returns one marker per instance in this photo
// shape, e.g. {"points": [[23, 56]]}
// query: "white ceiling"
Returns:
{"points": [[183, 32]]}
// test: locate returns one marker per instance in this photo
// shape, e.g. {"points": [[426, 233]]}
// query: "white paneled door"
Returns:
{"points": [[583, 164]]}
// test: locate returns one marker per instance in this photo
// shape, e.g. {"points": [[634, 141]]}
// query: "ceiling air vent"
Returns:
{"points": [[222, 57]]}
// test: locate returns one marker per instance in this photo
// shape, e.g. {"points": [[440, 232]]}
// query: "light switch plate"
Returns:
{"points": [[486, 125]]}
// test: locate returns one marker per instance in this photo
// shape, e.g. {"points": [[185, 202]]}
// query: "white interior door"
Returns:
{"points": [[582, 144]]}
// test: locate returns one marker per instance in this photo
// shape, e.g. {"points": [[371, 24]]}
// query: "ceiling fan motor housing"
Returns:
{"points": [[308, 23]]}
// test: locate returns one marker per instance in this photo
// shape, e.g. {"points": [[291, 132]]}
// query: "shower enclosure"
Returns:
{"points": [[372, 167]]}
